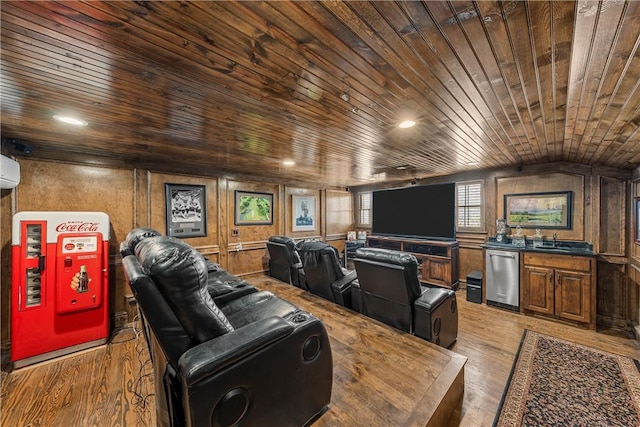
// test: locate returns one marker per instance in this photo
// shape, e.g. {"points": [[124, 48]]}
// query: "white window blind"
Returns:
{"points": [[364, 207], [469, 205]]}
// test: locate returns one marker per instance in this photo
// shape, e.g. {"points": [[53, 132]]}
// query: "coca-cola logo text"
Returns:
{"points": [[78, 226]]}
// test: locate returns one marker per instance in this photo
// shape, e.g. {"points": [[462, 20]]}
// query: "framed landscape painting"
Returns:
{"points": [[186, 210], [538, 210], [253, 208]]}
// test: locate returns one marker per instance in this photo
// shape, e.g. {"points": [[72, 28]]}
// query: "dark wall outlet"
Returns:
{"points": [[235, 232], [131, 307], [120, 319]]}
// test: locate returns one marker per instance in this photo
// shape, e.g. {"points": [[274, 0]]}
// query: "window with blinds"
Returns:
{"points": [[469, 206], [364, 208]]}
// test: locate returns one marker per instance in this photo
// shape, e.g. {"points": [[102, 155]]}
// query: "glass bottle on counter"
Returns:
{"points": [[518, 239], [537, 239]]}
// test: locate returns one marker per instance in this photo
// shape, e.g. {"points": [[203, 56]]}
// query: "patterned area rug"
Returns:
{"points": [[558, 383]]}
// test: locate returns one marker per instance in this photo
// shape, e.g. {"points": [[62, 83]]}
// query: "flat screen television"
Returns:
{"points": [[425, 211]]}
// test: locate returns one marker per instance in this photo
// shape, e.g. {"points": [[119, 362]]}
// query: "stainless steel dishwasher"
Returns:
{"points": [[503, 278]]}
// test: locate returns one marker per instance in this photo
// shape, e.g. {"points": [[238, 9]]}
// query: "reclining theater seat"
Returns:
{"points": [[284, 261], [323, 274], [223, 286], [389, 291], [264, 363]]}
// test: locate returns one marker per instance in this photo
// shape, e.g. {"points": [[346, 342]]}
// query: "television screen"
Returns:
{"points": [[425, 211]]}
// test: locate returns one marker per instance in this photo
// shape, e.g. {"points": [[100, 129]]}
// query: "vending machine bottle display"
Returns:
{"points": [[60, 283]]}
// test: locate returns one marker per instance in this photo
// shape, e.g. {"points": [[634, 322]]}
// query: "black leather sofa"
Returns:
{"points": [[252, 360], [388, 290]]}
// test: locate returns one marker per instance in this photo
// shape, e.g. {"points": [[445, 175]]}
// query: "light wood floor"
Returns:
{"points": [[111, 385]]}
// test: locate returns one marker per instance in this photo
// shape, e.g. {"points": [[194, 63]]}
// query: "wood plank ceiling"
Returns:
{"points": [[235, 88]]}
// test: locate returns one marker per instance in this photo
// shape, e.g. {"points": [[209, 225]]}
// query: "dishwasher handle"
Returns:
{"points": [[507, 255]]}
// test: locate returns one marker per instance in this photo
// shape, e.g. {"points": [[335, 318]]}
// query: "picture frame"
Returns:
{"points": [[637, 219], [539, 210], [253, 208], [186, 210], [304, 213]]}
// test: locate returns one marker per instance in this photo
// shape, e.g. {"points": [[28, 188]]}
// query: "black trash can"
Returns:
{"points": [[474, 287]]}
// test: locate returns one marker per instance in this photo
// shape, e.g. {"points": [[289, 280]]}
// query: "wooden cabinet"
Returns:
{"points": [[560, 286], [438, 259]]}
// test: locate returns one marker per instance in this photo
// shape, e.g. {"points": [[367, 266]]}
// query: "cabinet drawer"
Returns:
{"points": [[569, 262]]}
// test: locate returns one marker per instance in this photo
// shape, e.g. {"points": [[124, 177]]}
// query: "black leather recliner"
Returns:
{"points": [[323, 274], [222, 286], [284, 260], [258, 360], [388, 290]]}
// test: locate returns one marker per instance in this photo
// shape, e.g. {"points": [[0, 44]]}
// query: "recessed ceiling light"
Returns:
{"points": [[288, 162], [70, 120], [407, 124], [473, 164], [404, 167]]}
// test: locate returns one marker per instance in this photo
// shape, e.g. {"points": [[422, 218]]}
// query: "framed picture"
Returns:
{"points": [[637, 218], [186, 210], [253, 208], [304, 213], [538, 210]]}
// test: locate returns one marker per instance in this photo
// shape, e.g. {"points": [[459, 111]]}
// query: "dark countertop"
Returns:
{"points": [[562, 247]]}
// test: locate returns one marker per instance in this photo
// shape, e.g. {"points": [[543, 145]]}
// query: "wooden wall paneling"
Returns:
{"points": [[142, 198], [612, 295], [470, 253], [634, 258], [72, 187], [547, 183], [322, 210], [251, 256], [338, 216], [490, 205], [612, 216], [282, 208], [635, 192], [634, 297], [6, 216], [250, 260], [223, 216], [470, 259]]}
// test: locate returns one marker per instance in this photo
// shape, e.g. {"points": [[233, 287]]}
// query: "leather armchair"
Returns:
{"points": [[284, 260], [323, 273], [257, 360], [389, 291]]}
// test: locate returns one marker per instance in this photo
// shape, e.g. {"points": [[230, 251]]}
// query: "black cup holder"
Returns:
{"points": [[240, 285], [300, 317]]}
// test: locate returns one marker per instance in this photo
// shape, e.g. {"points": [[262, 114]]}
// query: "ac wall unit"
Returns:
{"points": [[9, 173]]}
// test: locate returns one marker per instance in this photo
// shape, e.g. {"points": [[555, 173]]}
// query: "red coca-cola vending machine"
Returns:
{"points": [[60, 284]]}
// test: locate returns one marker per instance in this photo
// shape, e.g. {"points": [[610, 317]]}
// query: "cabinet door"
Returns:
{"points": [[436, 271], [573, 290], [537, 292]]}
